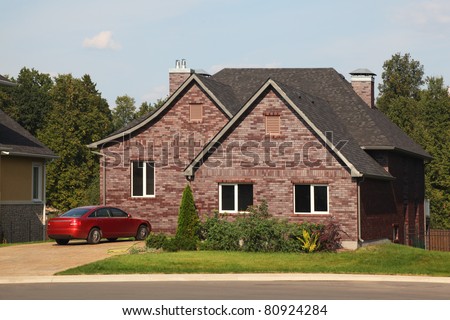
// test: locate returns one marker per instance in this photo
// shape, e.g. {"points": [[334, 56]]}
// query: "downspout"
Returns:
{"points": [[360, 240], [104, 176], [44, 200]]}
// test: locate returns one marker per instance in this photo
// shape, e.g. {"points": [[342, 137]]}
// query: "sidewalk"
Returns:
{"points": [[222, 277]]}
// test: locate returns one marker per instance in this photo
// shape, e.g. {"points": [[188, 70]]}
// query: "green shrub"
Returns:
{"points": [[219, 234], [254, 231], [155, 241], [188, 227], [258, 231], [171, 245]]}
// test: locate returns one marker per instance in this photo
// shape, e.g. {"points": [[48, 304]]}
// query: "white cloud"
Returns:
{"points": [[103, 40], [155, 93], [434, 13]]}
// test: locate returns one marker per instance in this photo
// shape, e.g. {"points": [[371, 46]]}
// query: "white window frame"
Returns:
{"points": [[144, 180], [40, 192], [236, 200], [311, 190]]}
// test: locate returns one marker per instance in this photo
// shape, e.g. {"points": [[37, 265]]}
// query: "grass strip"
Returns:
{"points": [[387, 259]]}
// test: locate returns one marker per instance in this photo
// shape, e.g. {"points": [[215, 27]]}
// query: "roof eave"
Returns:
{"points": [[31, 155], [400, 150], [8, 83]]}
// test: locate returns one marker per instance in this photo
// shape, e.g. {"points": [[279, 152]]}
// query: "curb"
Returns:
{"points": [[222, 277]]}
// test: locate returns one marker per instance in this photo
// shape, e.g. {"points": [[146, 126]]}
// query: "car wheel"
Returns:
{"points": [[142, 232], [94, 236], [112, 239], [62, 242]]}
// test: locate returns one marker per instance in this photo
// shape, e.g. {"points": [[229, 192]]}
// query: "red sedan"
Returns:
{"points": [[94, 223]]}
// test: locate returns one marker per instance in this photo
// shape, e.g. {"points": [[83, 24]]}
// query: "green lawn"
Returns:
{"points": [[383, 259]]}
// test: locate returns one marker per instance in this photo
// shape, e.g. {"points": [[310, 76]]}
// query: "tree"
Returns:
{"points": [[29, 102], [6, 100], [79, 116], [400, 90], [402, 77], [124, 112], [188, 222], [434, 136], [424, 114], [149, 107]]}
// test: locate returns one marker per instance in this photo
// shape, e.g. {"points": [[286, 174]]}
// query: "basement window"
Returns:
{"points": [[142, 179], [311, 199], [234, 198]]}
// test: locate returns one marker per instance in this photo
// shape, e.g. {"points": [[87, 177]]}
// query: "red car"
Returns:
{"points": [[94, 223]]}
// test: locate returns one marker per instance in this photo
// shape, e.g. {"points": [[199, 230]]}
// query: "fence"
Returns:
{"points": [[438, 240]]}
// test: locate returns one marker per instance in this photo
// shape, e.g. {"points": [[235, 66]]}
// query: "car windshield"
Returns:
{"points": [[77, 212]]}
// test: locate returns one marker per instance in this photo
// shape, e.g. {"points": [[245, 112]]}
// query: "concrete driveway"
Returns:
{"points": [[45, 259]]}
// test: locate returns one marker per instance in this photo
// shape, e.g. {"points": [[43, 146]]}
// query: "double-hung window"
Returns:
{"points": [[234, 198], [142, 179], [311, 198]]}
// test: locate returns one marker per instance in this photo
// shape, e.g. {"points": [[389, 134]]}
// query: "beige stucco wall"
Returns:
{"points": [[16, 178]]}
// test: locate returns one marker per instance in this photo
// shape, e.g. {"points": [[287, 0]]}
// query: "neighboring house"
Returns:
{"points": [[306, 140], [22, 181]]}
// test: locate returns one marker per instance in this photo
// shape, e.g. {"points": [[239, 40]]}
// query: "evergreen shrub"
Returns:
{"points": [[188, 227]]}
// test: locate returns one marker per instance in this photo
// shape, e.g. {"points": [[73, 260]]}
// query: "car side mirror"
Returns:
{"points": [[129, 215]]}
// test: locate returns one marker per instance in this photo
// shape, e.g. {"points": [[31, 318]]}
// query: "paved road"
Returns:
{"points": [[222, 290]]}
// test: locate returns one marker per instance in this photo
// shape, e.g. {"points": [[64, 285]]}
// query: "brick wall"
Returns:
{"points": [[275, 165], [171, 142], [176, 79], [21, 222], [365, 89], [385, 204]]}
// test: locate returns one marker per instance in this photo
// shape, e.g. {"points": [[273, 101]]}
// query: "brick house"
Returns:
{"points": [[306, 140], [23, 160]]}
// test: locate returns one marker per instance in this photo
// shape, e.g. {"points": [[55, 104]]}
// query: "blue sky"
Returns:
{"points": [[128, 46]]}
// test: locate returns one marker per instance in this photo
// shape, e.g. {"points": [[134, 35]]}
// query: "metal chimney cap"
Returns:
{"points": [[362, 71], [180, 67]]}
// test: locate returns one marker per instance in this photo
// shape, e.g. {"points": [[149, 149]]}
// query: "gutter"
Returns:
{"points": [[32, 155], [104, 175], [358, 183]]}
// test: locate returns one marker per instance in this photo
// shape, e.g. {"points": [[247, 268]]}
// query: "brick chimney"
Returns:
{"points": [[178, 75], [363, 82]]}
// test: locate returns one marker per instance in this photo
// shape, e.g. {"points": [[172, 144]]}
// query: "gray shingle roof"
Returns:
{"points": [[322, 118], [6, 82], [369, 127], [337, 108], [18, 141]]}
